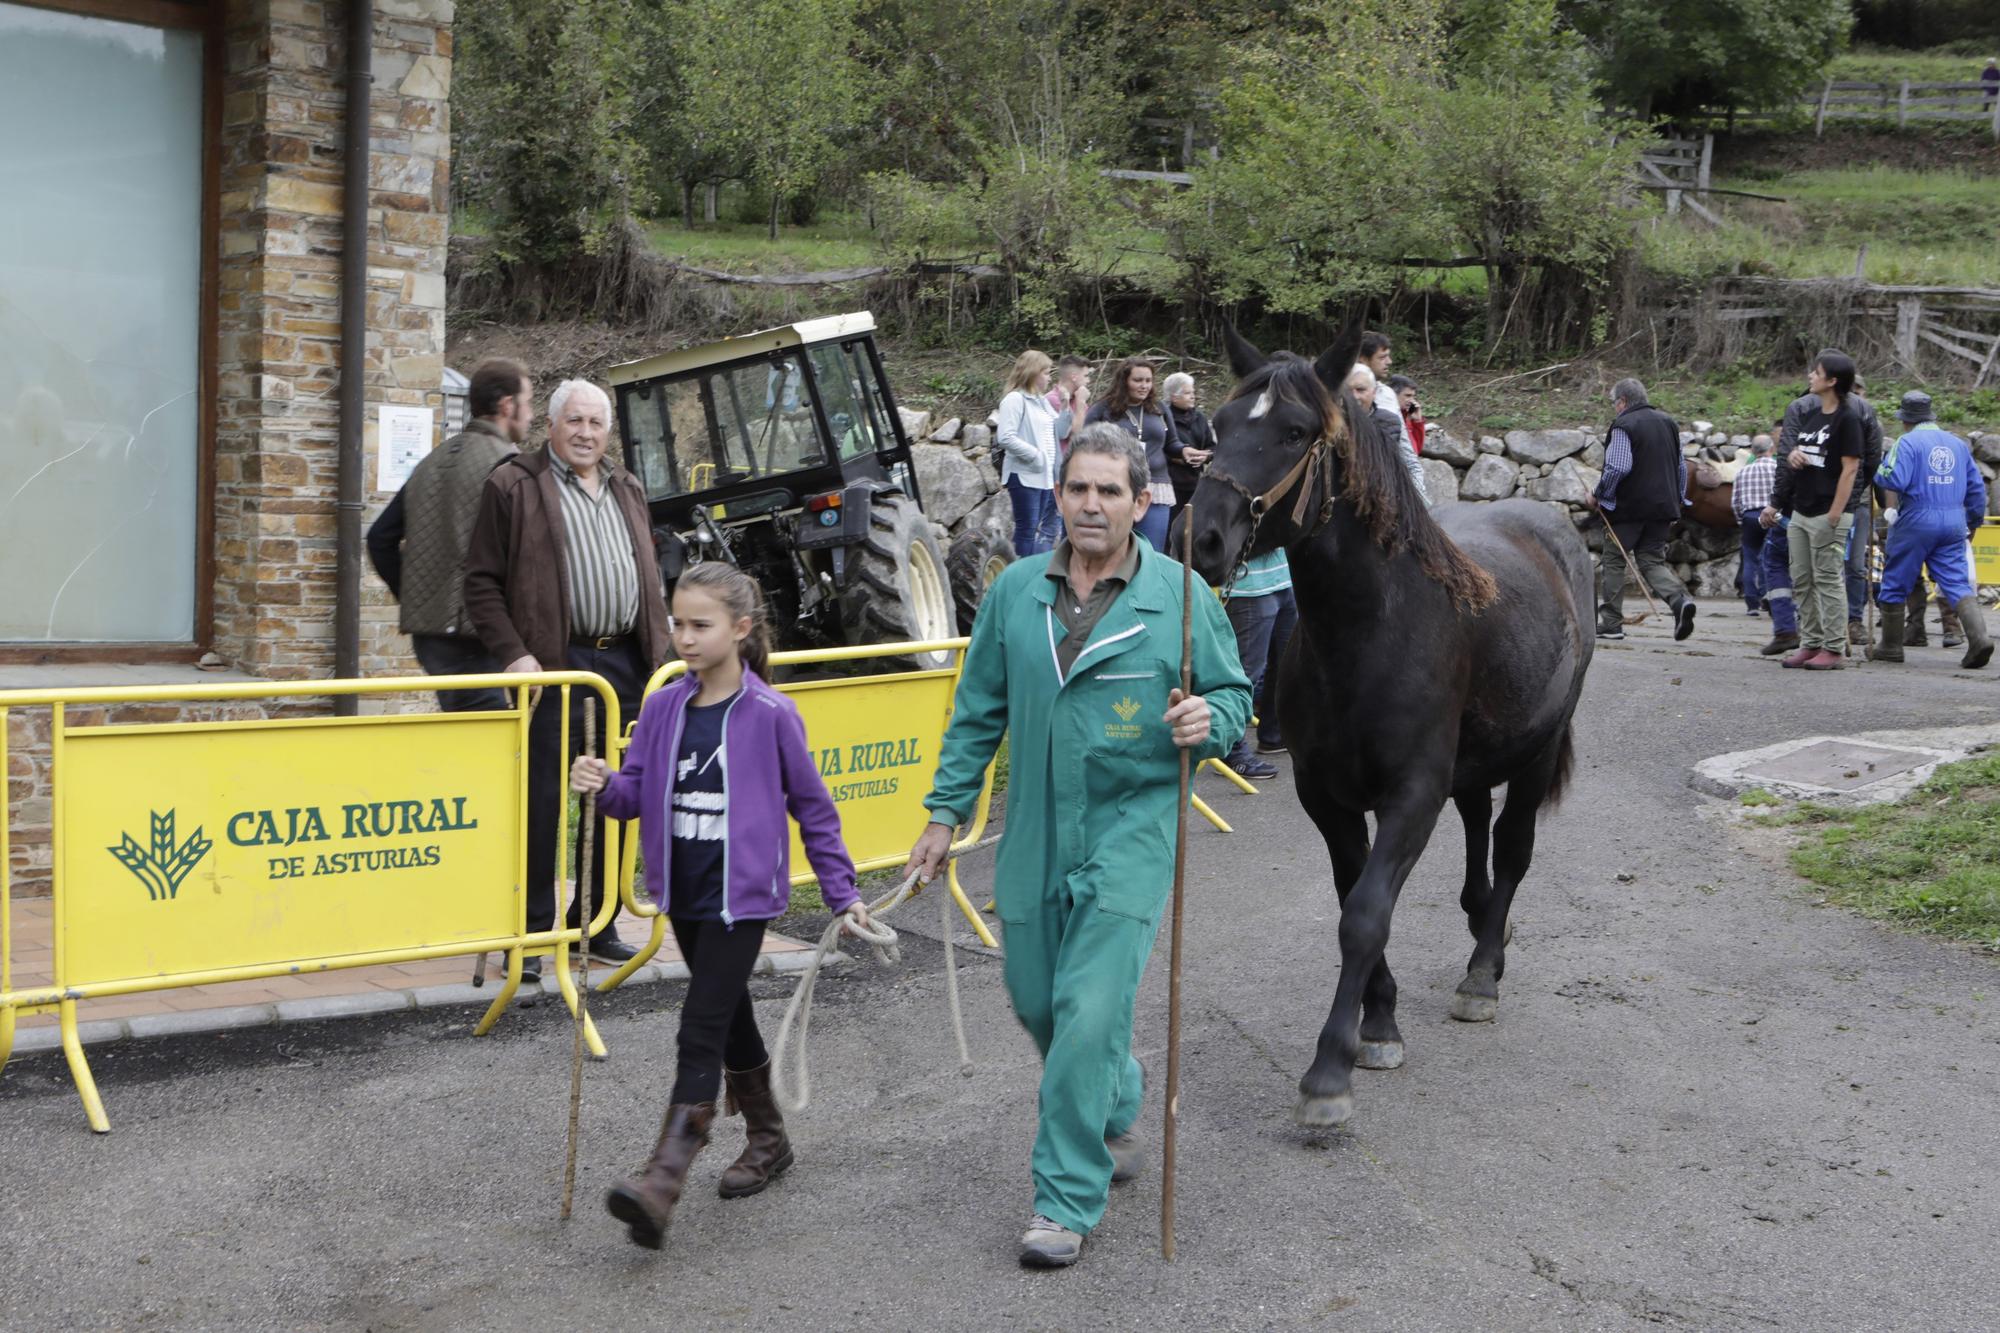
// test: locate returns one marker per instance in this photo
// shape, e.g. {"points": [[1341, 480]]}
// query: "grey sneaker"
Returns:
{"points": [[1049, 1244], [1128, 1157]]}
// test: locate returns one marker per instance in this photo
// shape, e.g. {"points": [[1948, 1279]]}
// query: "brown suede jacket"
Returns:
{"points": [[516, 566]]}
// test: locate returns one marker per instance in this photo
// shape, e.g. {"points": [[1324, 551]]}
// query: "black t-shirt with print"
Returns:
{"points": [[701, 816], [1826, 437]]}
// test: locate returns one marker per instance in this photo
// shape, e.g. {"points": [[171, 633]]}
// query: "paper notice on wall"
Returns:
{"points": [[402, 438]]}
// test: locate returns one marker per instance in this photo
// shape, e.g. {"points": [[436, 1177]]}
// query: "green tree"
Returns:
{"points": [[1669, 57], [543, 111], [774, 83]]}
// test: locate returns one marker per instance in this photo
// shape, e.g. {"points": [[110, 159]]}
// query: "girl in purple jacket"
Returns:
{"points": [[717, 761]]}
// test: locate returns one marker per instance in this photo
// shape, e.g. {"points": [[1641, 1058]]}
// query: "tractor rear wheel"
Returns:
{"points": [[900, 592], [976, 559]]}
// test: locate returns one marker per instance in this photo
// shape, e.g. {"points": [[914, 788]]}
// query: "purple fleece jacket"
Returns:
{"points": [[767, 770]]}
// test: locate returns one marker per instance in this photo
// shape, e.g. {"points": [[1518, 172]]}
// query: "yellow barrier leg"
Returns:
{"points": [[509, 983], [6, 1036], [637, 960], [79, 1069], [1248, 786], [1201, 808], [965, 906], [566, 983]]}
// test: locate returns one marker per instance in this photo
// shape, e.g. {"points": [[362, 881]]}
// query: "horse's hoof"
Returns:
{"points": [[1380, 1055], [1474, 1008], [1324, 1112]]}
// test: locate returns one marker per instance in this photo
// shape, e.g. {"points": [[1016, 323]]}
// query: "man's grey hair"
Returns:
{"points": [[1629, 392], [1362, 378], [569, 389], [1175, 382], [1113, 442], [1761, 444]]}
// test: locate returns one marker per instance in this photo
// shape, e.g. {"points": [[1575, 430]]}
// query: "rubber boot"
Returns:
{"points": [[1978, 647], [1890, 649], [1913, 627], [645, 1203], [767, 1153], [1948, 622]]}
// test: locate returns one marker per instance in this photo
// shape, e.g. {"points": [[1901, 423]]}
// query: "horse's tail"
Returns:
{"points": [[1564, 767]]}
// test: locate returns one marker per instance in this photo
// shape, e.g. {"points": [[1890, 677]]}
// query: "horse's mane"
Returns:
{"points": [[1373, 480]]}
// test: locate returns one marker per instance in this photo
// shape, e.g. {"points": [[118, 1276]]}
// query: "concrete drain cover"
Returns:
{"points": [[1839, 765]]}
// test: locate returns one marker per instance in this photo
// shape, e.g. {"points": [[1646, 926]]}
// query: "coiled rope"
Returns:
{"points": [[887, 950]]}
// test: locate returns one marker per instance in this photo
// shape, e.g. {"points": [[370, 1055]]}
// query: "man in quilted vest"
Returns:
{"points": [[418, 544]]}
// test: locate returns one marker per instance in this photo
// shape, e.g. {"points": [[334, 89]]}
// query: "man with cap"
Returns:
{"points": [[1936, 500]]}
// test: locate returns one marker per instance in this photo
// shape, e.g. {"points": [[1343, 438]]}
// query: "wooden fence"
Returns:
{"points": [[1947, 333], [1901, 102]]}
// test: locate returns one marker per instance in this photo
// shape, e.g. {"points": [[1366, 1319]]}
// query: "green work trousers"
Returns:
{"points": [[1073, 971], [1819, 579]]}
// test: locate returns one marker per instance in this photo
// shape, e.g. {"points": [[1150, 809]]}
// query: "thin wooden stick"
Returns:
{"points": [[583, 939], [1633, 566], [1173, 1106]]}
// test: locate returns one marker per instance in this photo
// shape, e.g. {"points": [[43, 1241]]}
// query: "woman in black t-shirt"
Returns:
{"points": [[1828, 460]]}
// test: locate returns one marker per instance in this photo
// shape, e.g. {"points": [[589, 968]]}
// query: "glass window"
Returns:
{"points": [[845, 386], [100, 290], [722, 427]]}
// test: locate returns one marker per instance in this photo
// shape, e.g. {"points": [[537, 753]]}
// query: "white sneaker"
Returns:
{"points": [[1049, 1244]]}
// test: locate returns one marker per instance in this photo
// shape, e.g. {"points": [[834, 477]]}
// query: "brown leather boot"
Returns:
{"points": [[768, 1152], [645, 1203]]}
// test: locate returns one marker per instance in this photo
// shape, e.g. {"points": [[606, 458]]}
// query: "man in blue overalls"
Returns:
{"points": [[1936, 500]]}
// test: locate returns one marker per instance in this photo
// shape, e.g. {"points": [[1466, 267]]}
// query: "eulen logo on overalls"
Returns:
{"points": [[1941, 469], [1124, 729]]}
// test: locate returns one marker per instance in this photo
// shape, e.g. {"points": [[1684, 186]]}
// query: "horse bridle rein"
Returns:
{"points": [[1304, 474]]}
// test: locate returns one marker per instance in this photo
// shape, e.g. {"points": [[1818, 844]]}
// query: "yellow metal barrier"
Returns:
{"points": [[192, 854], [877, 740]]}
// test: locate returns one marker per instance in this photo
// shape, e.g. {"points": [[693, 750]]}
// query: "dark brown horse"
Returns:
{"points": [[1433, 661]]}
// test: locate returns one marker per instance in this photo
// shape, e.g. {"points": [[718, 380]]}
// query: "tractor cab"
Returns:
{"points": [[782, 452]]}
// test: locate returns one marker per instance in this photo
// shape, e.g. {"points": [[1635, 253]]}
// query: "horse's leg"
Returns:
{"points": [[1346, 834], [1475, 810], [1326, 1095], [1478, 997]]}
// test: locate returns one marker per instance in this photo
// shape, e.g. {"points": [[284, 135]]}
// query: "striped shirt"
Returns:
{"points": [[1263, 575], [603, 577], [1753, 484]]}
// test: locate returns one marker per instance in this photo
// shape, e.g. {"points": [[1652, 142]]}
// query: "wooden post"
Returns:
{"points": [[1673, 203], [1819, 118], [1996, 120], [1861, 262], [1902, 105], [1701, 175], [1909, 317]]}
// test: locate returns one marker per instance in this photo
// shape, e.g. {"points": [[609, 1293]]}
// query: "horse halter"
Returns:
{"points": [[1305, 474]]}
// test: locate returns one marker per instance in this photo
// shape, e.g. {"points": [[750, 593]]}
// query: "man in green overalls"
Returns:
{"points": [[1075, 657]]}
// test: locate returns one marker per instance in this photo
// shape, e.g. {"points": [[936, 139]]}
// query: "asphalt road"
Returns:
{"points": [[1706, 1103]]}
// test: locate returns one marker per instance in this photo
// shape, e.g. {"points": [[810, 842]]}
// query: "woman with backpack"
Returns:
{"points": [[1029, 461]]}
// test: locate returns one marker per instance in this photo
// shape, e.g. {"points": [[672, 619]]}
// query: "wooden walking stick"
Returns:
{"points": [[583, 940], [1173, 1106]]}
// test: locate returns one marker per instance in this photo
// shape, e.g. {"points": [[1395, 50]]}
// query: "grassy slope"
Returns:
{"points": [[1931, 862]]}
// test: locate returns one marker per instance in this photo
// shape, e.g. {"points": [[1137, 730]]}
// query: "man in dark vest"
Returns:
{"points": [[418, 543], [1643, 491]]}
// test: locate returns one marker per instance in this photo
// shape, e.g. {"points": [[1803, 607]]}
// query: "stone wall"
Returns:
{"points": [[284, 107]]}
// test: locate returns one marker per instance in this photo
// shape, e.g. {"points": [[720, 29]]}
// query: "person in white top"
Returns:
{"points": [[1376, 359], [1027, 429]]}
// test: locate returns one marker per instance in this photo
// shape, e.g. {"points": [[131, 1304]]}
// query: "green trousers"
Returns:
{"points": [[1073, 971], [1818, 553]]}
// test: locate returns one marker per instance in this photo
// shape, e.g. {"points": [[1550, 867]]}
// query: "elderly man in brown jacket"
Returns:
{"points": [[561, 575]]}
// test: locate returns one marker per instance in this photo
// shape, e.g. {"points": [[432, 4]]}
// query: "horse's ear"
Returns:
{"points": [[1244, 359], [1337, 362]]}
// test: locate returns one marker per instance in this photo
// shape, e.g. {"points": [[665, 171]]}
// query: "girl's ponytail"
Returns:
{"points": [[740, 593]]}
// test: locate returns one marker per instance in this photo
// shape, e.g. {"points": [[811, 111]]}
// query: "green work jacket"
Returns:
{"points": [[1093, 773]]}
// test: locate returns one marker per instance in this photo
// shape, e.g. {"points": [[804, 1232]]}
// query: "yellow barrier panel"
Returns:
{"points": [[877, 740], [1986, 554], [189, 854]]}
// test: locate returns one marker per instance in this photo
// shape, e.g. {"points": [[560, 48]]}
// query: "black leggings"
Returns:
{"points": [[718, 1024]]}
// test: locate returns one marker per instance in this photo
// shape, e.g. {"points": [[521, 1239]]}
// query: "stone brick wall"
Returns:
{"points": [[278, 353], [284, 108]]}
